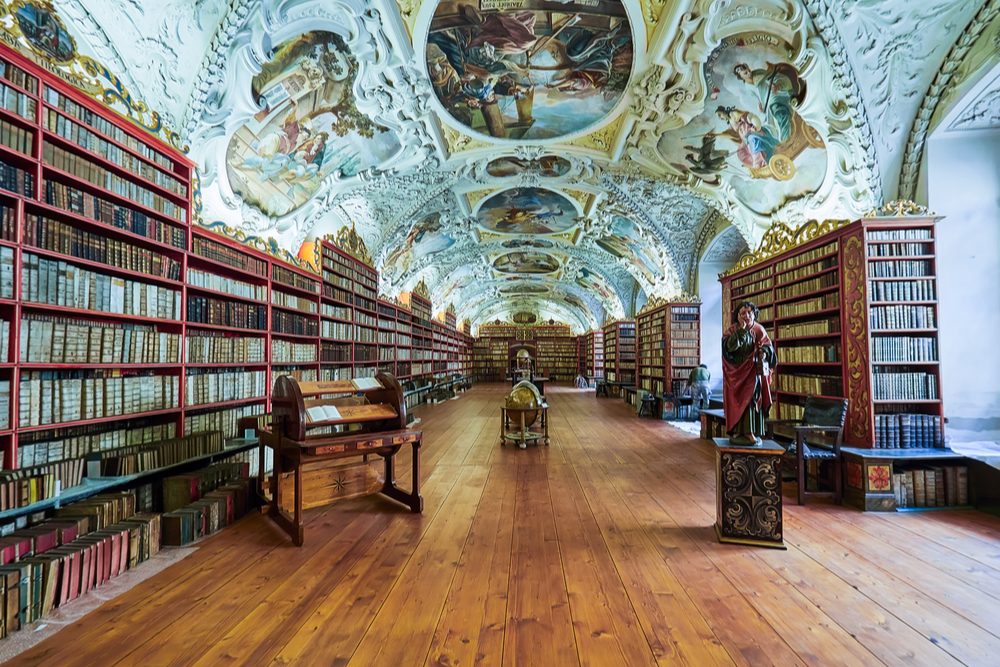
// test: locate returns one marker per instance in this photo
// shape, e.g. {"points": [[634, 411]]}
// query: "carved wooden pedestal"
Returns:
{"points": [[748, 493]]}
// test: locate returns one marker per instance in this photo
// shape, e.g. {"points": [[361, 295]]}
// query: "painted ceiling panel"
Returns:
{"points": [[562, 158]]}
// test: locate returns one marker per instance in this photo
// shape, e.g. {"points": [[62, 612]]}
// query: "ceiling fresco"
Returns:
{"points": [[564, 158]]}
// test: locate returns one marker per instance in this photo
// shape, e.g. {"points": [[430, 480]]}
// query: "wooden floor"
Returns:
{"points": [[597, 550]]}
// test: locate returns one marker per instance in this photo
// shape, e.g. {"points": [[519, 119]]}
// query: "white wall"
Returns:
{"points": [[710, 291], [963, 184]]}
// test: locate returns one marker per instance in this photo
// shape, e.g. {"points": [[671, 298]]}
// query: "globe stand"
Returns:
{"points": [[515, 425]]}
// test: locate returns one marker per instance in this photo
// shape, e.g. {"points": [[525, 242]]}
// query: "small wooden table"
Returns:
{"points": [[748, 493], [513, 428]]}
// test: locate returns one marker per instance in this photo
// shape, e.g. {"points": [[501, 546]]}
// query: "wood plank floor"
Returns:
{"points": [[597, 550]]}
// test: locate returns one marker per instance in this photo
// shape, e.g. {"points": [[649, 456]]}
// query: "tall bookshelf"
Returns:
{"points": [[593, 354], [557, 357], [668, 347], [619, 352], [123, 324], [852, 309]]}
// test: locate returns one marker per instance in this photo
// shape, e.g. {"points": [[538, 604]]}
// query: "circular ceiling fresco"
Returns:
{"points": [[529, 69], [527, 211]]}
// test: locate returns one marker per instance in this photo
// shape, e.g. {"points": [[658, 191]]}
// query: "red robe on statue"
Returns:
{"points": [[740, 380]]}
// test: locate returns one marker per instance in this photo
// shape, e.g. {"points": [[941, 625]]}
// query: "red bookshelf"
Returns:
{"points": [[667, 345], [619, 352]]}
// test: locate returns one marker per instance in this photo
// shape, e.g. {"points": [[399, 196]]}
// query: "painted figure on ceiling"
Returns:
{"points": [[779, 89]]}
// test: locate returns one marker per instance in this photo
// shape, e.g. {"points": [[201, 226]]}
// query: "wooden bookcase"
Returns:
{"points": [[668, 346], [853, 313], [122, 324], [557, 357], [593, 354], [619, 352]]}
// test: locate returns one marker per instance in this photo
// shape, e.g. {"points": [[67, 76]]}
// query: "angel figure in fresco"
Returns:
{"points": [[780, 91], [756, 143]]}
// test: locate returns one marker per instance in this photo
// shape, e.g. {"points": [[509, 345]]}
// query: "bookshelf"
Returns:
{"points": [[593, 354], [619, 352], [668, 347], [122, 324], [853, 313]]}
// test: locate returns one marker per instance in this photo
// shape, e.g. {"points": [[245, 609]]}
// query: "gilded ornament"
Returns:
{"points": [[350, 241], [899, 208], [421, 290], [602, 140], [782, 238], [34, 28]]}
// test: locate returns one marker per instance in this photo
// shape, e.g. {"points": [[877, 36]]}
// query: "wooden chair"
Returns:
{"points": [[821, 416]]}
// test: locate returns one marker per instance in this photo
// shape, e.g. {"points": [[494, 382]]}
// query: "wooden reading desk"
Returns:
{"points": [[348, 418]]}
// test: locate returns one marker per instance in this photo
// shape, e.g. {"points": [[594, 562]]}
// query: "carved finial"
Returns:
{"points": [[350, 241], [899, 208], [421, 290]]}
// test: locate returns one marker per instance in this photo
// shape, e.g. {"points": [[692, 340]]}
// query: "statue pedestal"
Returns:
{"points": [[748, 493]]}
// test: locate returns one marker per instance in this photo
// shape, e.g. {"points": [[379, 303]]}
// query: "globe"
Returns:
{"points": [[525, 396]]}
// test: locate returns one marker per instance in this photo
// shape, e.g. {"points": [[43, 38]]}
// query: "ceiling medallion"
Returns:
{"points": [[527, 211], [529, 69]]}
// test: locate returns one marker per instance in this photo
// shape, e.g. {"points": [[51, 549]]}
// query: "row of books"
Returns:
{"points": [[16, 180], [224, 254], [26, 486], [827, 353], [294, 302], [210, 347], [902, 290], [212, 281], [337, 330], [908, 431], [806, 306], [94, 143], [946, 486], [209, 386], [898, 249], [336, 312], [60, 283], [106, 127], [807, 286], [207, 310], [900, 268], [294, 279], [807, 257], [290, 323], [809, 384], [41, 447], [46, 397], [349, 268], [901, 316], [904, 348], [286, 351], [16, 137], [98, 175], [4, 404], [911, 234], [225, 421], [810, 328], [113, 214], [18, 77], [49, 234], [8, 222], [144, 458], [15, 101], [57, 570], [207, 513], [58, 340], [812, 269], [904, 386], [300, 374]]}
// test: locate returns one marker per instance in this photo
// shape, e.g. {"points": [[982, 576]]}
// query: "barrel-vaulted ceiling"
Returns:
{"points": [[564, 157]]}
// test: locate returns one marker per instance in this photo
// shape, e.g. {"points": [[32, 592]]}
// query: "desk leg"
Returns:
{"points": [[389, 488]]}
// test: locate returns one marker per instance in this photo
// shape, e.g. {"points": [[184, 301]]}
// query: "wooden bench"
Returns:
{"points": [[870, 484], [821, 417], [713, 423]]}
